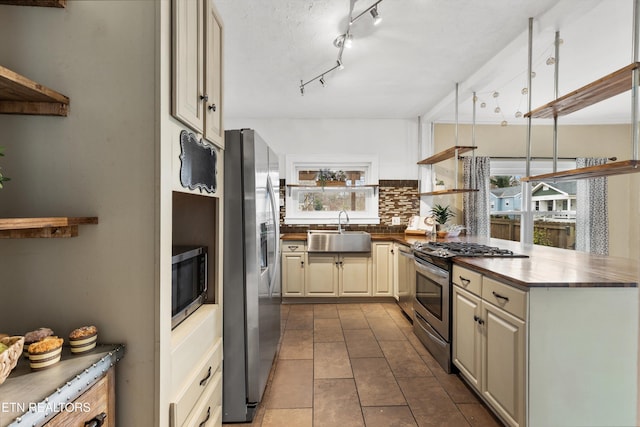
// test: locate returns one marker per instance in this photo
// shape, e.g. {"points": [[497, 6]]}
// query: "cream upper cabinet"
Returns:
{"points": [[214, 131], [197, 68], [383, 268]]}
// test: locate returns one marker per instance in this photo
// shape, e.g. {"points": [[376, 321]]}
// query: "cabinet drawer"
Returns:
{"points": [[467, 280], [92, 404], [195, 385], [208, 410], [506, 297], [191, 341], [293, 246]]}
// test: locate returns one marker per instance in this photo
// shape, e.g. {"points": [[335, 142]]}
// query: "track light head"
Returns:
{"points": [[343, 39], [301, 88], [375, 15]]}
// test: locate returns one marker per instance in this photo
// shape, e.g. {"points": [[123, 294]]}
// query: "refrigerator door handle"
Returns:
{"points": [[276, 237]]}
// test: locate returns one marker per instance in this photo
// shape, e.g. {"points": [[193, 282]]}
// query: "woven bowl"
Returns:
{"points": [[9, 357]]}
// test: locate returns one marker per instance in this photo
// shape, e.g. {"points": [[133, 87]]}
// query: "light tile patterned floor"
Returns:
{"points": [[358, 365]]}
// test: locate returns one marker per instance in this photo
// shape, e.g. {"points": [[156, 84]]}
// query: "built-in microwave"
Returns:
{"points": [[188, 281]]}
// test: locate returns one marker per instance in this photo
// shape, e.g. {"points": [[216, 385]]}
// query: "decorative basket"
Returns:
{"points": [[9, 357]]}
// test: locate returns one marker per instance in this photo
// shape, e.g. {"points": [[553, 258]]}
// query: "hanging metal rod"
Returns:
{"points": [[365, 11], [612, 159]]}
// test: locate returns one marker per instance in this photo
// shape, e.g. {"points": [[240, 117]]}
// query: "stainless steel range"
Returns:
{"points": [[432, 304]]}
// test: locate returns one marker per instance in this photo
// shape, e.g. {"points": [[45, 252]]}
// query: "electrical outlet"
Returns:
{"points": [[395, 220]]}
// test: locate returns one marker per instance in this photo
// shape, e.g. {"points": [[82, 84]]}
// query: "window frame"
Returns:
{"points": [[369, 164]]}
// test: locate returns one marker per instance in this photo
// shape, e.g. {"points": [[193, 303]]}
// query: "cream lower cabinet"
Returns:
{"points": [[196, 370], [489, 342], [383, 254], [293, 269], [354, 275], [338, 275]]}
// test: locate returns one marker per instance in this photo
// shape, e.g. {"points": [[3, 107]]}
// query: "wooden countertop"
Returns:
{"points": [[544, 267]]}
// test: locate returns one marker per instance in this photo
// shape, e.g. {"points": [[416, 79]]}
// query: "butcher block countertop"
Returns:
{"points": [[544, 267]]}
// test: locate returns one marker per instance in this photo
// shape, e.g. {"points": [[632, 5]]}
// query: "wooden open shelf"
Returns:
{"points": [[607, 87], [615, 168], [42, 3], [23, 228], [336, 187], [446, 154], [451, 191], [20, 95]]}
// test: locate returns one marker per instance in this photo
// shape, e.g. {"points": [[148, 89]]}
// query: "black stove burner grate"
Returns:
{"points": [[467, 249]]}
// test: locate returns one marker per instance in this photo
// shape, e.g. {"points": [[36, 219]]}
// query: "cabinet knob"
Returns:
{"points": [[302, 264], [204, 97], [212, 107], [96, 421]]}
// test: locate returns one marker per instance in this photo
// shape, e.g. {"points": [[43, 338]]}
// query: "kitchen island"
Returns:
{"points": [[550, 339]]}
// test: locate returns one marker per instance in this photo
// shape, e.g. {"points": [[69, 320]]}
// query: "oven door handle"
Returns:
{"points": [[437, 339], [406, 254], [431, 269]]}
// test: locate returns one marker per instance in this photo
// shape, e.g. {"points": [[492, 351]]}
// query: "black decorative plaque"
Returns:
{"points": [[198, 167]]}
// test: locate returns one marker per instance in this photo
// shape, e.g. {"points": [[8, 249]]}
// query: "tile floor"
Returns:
{"points": [[360, 365]]}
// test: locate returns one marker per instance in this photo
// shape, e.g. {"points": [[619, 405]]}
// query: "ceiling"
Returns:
{"points": [[408, 65]]}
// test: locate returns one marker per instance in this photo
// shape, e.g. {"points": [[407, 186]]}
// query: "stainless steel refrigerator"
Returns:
{"points": [[252, 288]]}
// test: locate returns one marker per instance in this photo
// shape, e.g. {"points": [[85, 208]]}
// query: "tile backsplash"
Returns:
{"points": [[397, 198]]}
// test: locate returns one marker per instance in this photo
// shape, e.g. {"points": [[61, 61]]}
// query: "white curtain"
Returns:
{"points": [[592, 220], [476, 204]]}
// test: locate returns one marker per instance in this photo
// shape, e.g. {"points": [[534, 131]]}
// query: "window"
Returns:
{"points": [[318, 189], [553, 204]]}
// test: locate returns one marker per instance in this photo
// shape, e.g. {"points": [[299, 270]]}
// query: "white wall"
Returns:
{"points": [[394, 141], [99, 161]]}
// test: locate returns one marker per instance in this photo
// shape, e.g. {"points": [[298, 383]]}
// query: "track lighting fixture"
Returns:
{"points": [[342, 41], [376, 16]]}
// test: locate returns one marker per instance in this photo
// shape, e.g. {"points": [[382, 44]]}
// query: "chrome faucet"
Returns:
{"points": [[340, 219]]}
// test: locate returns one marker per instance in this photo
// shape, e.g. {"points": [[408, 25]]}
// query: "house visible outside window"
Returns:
{"points": [[318, 188], [554, 204]]}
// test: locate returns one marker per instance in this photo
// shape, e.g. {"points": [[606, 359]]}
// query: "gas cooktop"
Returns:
{"points": [[463, 249]]}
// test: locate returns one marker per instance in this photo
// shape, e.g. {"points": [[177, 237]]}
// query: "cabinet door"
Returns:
{"points": [[503, 363], [383, 260], [467, 335], [321, 275], [293, 273], [188, 63], [213, 77], [355, 275]]}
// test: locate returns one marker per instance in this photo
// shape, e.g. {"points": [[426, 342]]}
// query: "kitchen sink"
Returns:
{"points": [[336, 241]]}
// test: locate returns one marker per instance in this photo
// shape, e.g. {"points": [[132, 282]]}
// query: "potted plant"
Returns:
{"points": [[328, 177], [439, 185], [442, 214]]}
